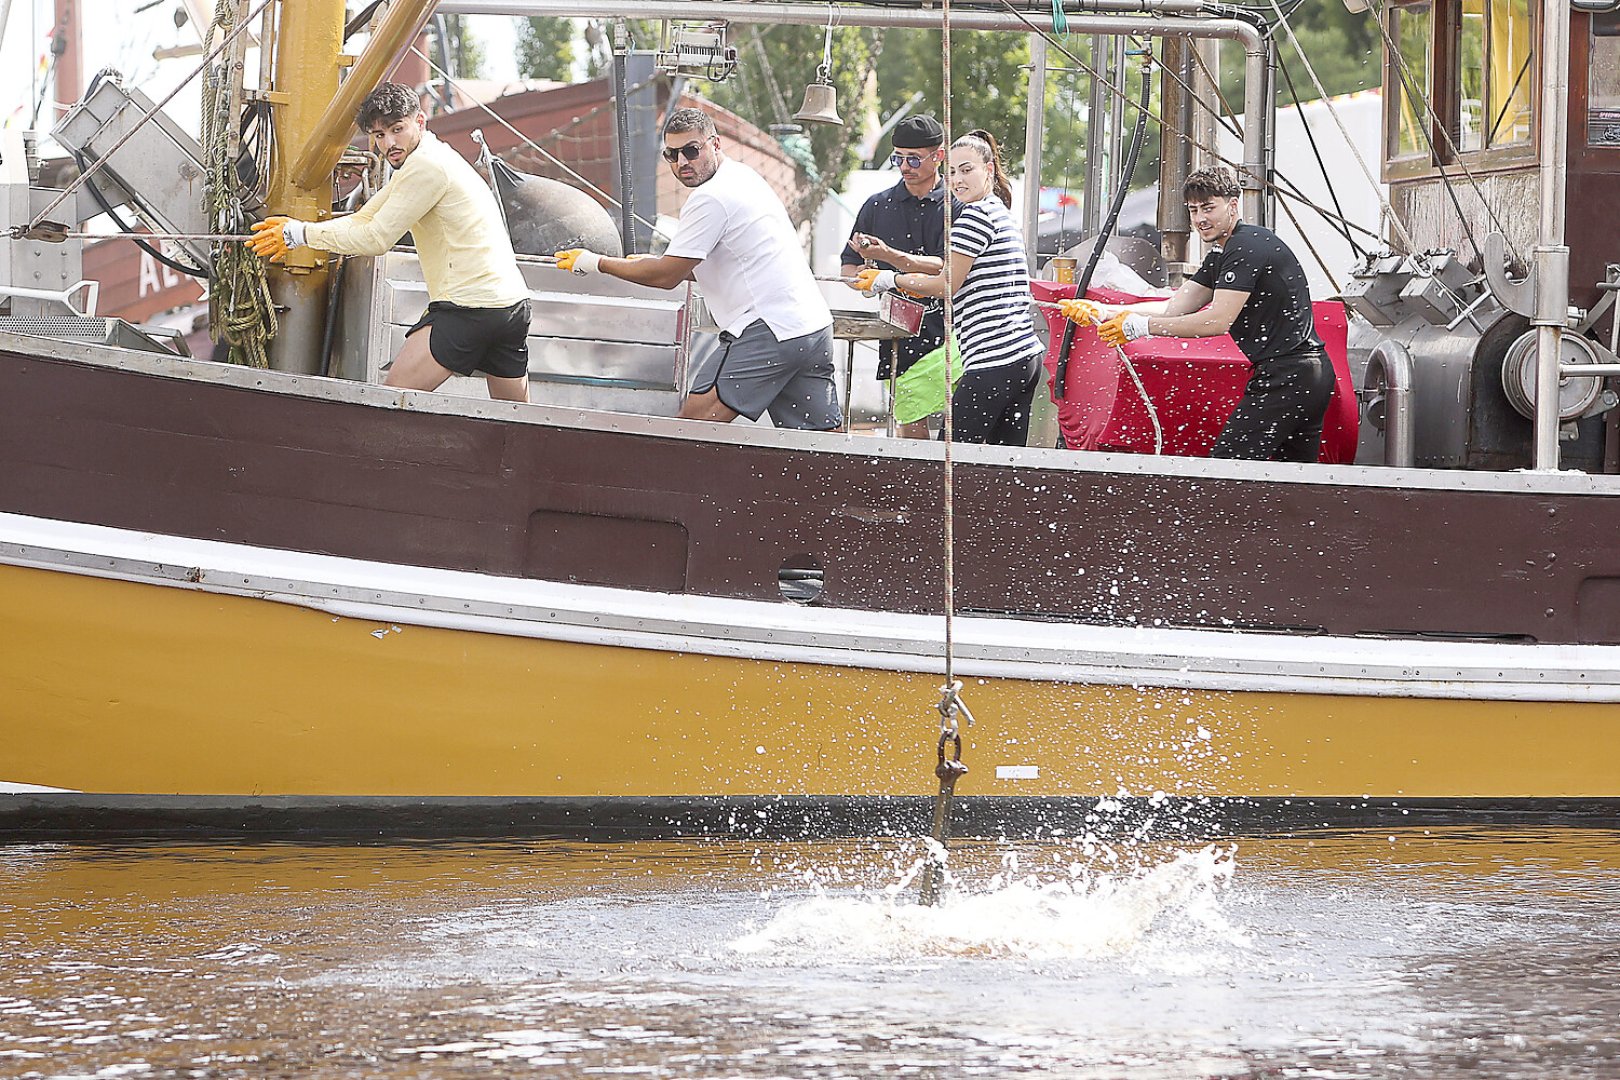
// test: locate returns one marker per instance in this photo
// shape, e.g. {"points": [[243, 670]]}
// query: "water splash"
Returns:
{"points": [[1090, 908]]}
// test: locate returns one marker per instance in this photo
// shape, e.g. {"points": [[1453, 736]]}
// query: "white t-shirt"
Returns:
{"points": [[753, 266]]}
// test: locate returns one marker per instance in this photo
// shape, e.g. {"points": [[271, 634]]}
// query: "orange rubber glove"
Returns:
{"points": [[1080, 311], [1124, 327], [269, 239]]}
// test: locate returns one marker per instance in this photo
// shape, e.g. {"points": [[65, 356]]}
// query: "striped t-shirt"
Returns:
{"points": [[992, 305]]}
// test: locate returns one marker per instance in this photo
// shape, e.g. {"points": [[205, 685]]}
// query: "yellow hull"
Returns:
{"points": [[111, 686]]}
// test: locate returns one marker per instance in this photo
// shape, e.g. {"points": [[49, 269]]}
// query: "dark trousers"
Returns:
{"points": [[992, 405], [1280, 415]]}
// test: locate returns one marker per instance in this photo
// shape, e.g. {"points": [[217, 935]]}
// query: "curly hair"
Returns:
{"points": [[391, 101], [1213, 183]]}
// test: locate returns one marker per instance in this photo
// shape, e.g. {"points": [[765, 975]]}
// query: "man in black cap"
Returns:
{"points": [[903, 229]]}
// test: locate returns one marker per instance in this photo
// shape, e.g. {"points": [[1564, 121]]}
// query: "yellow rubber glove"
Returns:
{"points": [[1123, 327], [578, 261], [1080, 311], [866, 280], [1112, 331], [268, 242]]}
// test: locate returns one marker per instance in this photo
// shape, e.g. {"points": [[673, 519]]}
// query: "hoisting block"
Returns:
{"points": [[53, 232]]}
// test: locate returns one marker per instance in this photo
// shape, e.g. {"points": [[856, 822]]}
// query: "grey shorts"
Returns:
{"points": [[752, 372]]}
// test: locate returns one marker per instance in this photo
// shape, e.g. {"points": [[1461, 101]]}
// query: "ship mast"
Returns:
{"points": [[314, 121]]}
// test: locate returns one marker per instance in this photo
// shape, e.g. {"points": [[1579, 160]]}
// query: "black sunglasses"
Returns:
{"points": [[673, 154], [911, 161]]}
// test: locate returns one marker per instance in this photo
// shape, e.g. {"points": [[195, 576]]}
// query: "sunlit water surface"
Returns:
{"points": [[1429, 954]]}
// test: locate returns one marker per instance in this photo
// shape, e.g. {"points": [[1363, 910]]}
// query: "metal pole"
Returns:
{"points": [[1175, 156], [1096, 138], [1551, 256], [1268, 159], [1034, 125]]}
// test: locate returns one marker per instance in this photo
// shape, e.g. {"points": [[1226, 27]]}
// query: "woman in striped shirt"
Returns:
{"points": [[1001, 354]]}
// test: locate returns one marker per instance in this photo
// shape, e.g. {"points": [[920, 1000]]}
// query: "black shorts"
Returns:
{"points": [[468, 339]]}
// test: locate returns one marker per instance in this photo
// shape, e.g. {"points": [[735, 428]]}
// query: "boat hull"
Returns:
{"points": [[189, 679], [193, 449]]}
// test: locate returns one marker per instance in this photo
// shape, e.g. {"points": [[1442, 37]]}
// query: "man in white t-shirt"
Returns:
{"points": [[736, 241]]}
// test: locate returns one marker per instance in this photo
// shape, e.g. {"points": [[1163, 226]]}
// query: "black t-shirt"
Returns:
{"points": [[916, 225], [1276, 319]]}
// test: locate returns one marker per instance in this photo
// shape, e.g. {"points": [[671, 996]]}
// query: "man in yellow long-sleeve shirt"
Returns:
{"points": [[478, 310]]}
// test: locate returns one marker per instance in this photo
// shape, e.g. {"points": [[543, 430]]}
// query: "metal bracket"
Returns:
{"points": [[1518, 297]]}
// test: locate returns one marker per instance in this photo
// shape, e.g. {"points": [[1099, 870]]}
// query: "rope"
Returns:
{"points": [[951, 769], [1372, 181], [1310, 137], [240, 311]]}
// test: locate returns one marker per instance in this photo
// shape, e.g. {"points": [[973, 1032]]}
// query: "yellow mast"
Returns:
{"points": [[314, 120]]}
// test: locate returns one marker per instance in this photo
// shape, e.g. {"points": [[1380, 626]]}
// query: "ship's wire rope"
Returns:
{"points": [[1280, 184], [1408, 84], [84, 177], [948, 770], [1355, 151], [530, 143], [1310, 137], [1304, 236]]}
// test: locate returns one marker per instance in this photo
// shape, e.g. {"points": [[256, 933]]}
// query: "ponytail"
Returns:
{"points": [[984, 144]]}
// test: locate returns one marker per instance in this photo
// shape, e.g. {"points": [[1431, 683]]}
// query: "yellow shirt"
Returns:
{"points": [[440, 200]]}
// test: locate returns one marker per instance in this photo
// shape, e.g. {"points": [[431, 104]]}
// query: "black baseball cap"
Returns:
{"points": [[918, 132]]}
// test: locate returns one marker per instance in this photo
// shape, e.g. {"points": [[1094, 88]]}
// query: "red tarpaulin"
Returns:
{"points": [[1194, 384]]}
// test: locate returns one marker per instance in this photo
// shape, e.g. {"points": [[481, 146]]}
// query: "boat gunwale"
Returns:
{"points": [[343, 391]]}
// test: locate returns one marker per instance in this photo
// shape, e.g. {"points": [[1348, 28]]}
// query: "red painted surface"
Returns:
{"points": [[1194, 384]]}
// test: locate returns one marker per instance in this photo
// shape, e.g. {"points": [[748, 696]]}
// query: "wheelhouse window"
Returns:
{"points": [[1463, 72], [1510, 55], [1603, 88], [1411, 29]]}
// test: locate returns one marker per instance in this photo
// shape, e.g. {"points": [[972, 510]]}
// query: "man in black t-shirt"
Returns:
{"points": [[1251, 286], [903, 229]]}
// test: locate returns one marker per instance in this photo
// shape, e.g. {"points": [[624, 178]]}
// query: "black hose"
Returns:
{"points": [[1060, 376], [129, 230]]}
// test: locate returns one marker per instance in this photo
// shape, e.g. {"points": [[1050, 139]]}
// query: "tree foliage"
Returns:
{"points": [[546, 48], [877, 71], [989, 82], [776, 63], [465, 51]]}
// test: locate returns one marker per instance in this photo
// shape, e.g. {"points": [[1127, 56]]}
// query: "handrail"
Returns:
{"points": [[92, 293]]}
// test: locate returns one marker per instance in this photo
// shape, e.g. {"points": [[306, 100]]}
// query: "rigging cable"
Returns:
{"points": [[1342, 224], [1372, 181], [1278, 183], [1310, 137], [951, 769], [1433, 122], [530, 143]]}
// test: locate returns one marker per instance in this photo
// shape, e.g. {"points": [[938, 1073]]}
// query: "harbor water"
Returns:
{"points": [[1432, 953]]}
